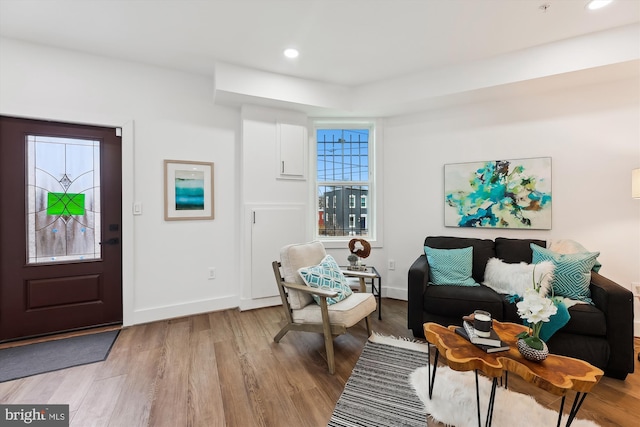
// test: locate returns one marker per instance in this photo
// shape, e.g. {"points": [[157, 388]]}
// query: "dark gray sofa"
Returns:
{"points": [[601, 334]]}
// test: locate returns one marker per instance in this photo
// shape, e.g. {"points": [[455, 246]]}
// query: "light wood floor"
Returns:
{"points": [[223, 369]]}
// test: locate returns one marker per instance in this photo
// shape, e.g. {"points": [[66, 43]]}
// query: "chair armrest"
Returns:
{"points": [[361, 276], [617, 304], [418, 280], [308, 289]]}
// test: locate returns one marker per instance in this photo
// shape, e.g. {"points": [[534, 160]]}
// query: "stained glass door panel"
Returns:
{"points": [[63, 199]]}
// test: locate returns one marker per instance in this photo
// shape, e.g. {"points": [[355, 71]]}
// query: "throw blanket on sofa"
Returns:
{"points": [[556, 321]]}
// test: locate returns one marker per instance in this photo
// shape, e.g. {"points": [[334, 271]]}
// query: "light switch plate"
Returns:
{"points": [[137, 208]]}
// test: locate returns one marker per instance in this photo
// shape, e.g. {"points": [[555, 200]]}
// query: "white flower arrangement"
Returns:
{"points": [[535, 308]]}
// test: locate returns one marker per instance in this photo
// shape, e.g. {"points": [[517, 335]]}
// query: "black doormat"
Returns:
{"points": [[38, 358]]}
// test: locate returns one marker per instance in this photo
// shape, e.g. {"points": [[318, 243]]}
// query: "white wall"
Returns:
{"points": [[592, 134], [167, 115]]}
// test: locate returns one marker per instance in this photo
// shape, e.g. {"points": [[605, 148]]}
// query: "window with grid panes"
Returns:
{"points": [[343, 160]]}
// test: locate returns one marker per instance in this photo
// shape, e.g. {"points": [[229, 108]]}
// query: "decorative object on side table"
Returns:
{"points": [[353, 261], [535, 308], [359, 248]]}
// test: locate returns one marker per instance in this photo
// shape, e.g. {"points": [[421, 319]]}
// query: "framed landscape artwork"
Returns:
{"points": [[188, 190], [499, 194]]}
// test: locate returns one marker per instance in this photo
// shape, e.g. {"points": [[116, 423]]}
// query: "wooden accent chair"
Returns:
{"points": [[302, 313]]}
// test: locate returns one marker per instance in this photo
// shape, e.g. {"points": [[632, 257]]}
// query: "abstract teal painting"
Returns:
{"points": [[188, 190], [499, 194]]}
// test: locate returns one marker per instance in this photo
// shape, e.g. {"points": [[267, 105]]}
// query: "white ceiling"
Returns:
{"points": [[345, 42]]}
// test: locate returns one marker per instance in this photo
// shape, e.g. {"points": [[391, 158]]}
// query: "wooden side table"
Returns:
{"points": [[556, 374]]}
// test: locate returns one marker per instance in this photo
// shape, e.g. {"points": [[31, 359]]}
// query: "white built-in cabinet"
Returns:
{"points": [[272, 227], [275, 196], [292, 151]]}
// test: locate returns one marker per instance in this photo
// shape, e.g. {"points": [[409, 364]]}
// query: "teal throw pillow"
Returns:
{"points": [[326, 275], [450, 266], [572, 275]]}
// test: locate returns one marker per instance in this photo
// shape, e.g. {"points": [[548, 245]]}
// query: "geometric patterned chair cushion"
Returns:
{"points": [[450, 266], [572, 275], [326, 275]]}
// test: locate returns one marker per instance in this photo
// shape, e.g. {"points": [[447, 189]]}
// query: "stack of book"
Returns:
{"points": [[490, 344]]}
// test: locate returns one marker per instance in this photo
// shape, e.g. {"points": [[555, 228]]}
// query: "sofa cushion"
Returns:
{"points": [[586, 319], [516, 250], [591, 349], [572, 275], [450, 266], [483, 249], [457, 301]]}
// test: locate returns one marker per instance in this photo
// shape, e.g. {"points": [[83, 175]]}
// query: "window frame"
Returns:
{"points": [[352, 201], [374, 194]]}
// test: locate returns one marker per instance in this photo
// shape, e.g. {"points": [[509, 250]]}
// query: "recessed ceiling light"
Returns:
{"points": [[291, 53], [597, 4]]}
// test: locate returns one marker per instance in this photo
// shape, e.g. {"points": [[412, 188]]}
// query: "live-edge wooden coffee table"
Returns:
{"points": [[556, 374]]}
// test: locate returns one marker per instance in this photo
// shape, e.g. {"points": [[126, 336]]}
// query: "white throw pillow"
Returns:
{"points": [[514, 279]]}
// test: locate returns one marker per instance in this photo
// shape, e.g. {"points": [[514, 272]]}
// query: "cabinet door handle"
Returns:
{"points": [[282, 167]]}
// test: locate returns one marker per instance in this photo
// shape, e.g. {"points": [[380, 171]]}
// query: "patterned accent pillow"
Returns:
{"points": [[450, 266], [572, 275], [326, 275]]}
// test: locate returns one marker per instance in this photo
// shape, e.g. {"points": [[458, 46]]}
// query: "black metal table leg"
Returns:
{"points": [[491, 404], [432, 379], [492, 401], [379, 296], [561, 410], [577, 403], [478, 400]]}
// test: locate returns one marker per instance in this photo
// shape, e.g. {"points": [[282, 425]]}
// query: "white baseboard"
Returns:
{"points": [[154, 314], [395, 293], [250, 304], [636, 328]]}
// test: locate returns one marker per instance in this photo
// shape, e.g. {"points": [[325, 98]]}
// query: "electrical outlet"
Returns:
{"points": [[392, 264], [212, 273], [635, 288]]}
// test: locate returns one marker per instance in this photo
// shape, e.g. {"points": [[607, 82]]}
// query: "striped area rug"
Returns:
{"points": [[378, 393]]}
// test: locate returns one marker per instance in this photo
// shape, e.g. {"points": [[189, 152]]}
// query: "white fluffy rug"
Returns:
{"points": [[454, 402]]}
